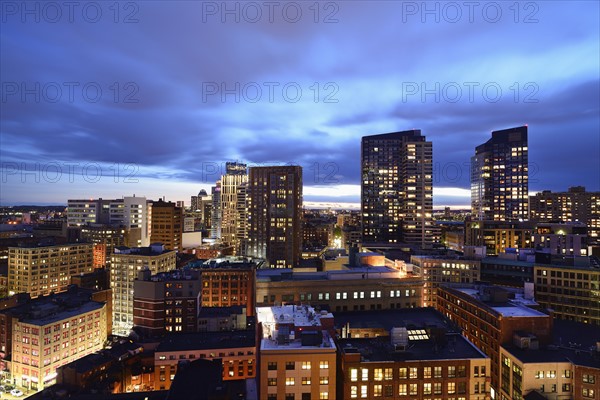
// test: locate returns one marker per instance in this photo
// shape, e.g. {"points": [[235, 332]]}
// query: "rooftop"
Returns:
{"points": [[388, 319], [511, 307], [207, 340], [572, 342], [290, 326], [55, 313], [288, 274], [449, 346]]}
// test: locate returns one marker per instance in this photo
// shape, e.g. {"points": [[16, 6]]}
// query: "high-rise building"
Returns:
{"points": [[575, 205], [166, 224], [500, 177], [275, 214], [215, 220], [40, 270], [233, 206], [397, 188], [126, 263]]}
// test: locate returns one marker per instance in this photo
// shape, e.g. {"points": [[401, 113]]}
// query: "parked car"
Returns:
{"points": [[2, 389], [16, 393]]}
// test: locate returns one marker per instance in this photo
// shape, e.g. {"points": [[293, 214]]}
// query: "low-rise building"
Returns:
{"points": [[489, 316], [52, 333], [572, 292], [237, 351], [413, 362], [166, 302], [297, 353], [569, 368], [436, 270]]}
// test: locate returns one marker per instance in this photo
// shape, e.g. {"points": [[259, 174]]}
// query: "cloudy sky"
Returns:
{"points": [[104, 99]]}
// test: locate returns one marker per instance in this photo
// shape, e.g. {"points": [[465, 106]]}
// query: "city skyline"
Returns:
{"points": [[186, 99]]}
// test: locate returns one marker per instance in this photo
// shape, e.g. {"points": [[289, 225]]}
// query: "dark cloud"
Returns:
{"points": [[155, 112]]}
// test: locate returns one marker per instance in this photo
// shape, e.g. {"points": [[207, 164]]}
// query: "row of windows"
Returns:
{"points": [[291, 365], [411, 389], [380, 374], [291, 381]]}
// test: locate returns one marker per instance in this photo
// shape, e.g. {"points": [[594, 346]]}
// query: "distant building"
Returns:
{"points": [[497, 236], [215, 221], [439, 270], [397, 189], [233, 206], [564, 239], [297, 353], [275, 215], [500, 177], [227, 282], [105, 239], [126, 263], [574, 205], [40, 270], [166, 225], [489, 316]]}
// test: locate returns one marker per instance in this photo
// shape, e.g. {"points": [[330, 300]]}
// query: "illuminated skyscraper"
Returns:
{"points": [[233, 205], [500, 177], [397, 188], [275, 215]]}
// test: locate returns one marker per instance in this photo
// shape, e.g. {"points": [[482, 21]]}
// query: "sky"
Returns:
{"points": [[111, 99]]}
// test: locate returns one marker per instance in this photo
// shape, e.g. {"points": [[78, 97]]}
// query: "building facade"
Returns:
{"points": [[440, 270], [573, 293], [166, 225], [370, 288], [275, 215], [397, 188], [166, 302], [126, 263], [52, 335], [40, 270]]}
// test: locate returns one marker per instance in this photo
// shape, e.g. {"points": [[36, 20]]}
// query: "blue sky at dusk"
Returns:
{"points": [[151, 98]]}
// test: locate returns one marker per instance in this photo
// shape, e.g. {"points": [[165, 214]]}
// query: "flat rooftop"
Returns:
{"points": [[572, 342], [207, 340], [388, 319], [299, 316], [516, 307], [452, 346], [288, 274], [61, 314]]}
